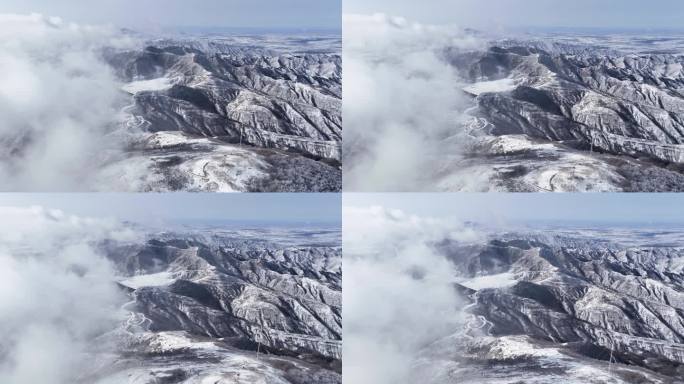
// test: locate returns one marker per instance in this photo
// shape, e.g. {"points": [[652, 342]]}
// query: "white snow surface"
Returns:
{"points": [[573, 171], [160, 279], [159, 84], [164, 342], [500, 280], [220, 167], [440, 364], [502, 85], [234, 367]]}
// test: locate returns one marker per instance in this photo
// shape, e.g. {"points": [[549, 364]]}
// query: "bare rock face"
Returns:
{"points": [[616, 111], [222, 306], [282, 106], [546, 306]]}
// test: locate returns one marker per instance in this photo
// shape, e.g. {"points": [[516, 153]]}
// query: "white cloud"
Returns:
{"points": [[56, 293], [398, 291], [401, 100], [58, 101]]}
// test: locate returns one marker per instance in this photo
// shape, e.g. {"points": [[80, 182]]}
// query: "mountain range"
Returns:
{"points": [[225, 306], [231, 113], [572, 113], [574, 306]]}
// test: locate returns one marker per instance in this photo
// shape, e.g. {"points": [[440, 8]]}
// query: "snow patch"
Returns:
{"points": [[165, 139], [516, 346], [503, 85], [158, 84], [160, 279], [179, 340], [509, 144], [501, 280]]}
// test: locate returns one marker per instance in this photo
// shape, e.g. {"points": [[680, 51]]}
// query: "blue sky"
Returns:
{"points": [[178, 207], [490, 208], [488, 14], [506, 208], [151, 14]]}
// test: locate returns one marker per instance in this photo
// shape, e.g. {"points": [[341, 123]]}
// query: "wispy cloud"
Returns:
{"points": [[401, 101], [59, 102], [398, 291], [56, 293]]}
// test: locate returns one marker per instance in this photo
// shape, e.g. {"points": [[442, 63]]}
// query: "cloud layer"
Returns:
{"points": [[398, 291], [401, 101], [57, 292], [59, 102]]}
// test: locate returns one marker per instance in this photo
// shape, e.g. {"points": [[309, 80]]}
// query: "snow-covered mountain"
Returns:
{"points": [[90, 300], [573, 113], [231, 114], [95, 108], [574, 306], [248, 306]]}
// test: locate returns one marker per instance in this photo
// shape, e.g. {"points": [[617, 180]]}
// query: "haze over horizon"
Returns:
{"points": [[179, 207], [516, 14], [150, 15], [507, 208]]}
